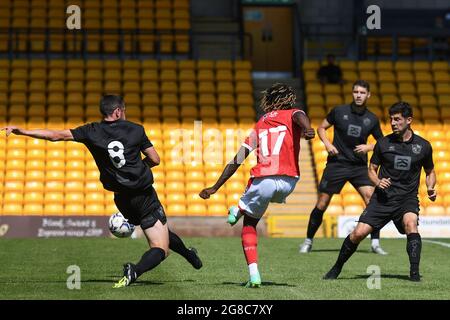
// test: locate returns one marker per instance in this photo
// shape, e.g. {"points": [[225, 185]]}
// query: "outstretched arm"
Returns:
{"points": [[50, 135], [227, 173]]}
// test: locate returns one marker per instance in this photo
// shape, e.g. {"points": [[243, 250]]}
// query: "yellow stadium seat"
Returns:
{"points": [[427, 101], [217, 209], [441, 76], [94, 209], [74, 198], [12, 209], [353, 210], [15, 175], [34, 197], [439, 66], [53, 209], [388, 88], [174, 186], [332, 100], [33, 209], [34, 154], [406, 88], [402, 66], [443, 88], [94, 198], [13, 197], [435, 210], [173, 175], [430, 113], [388, 100], [176, 209], [444, 101], [74, 209], [386, 76], [197, 209], [311, 65]]}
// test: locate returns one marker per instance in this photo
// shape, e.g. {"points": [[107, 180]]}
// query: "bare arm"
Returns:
{"points": [[151, 157], [50, 135], [383, 183], [227, 173], [302, 120], [364, 148], [321, 131], [430, 181]]}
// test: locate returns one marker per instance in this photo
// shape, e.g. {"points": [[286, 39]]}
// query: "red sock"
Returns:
{"points": [[250, 244]]}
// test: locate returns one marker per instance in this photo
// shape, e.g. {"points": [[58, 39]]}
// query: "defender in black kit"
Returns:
{"points": [[400, 158], [347, 158], [116, 145]]}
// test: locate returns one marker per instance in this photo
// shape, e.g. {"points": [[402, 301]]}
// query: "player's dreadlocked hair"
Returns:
{"points": [[278, 97]]}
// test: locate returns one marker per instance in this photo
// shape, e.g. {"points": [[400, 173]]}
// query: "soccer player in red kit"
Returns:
{"points": [[276, 139]]}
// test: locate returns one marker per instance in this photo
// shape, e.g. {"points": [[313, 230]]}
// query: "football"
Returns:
{"points": [[119, 226]]}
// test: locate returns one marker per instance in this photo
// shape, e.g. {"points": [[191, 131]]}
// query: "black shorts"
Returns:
{"points": [[336, 174], [141, 208], [380, 211]]}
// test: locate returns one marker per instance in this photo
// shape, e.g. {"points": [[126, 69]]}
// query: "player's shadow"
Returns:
{"points": [[385, 276], [137, 283], [263, 284], [326, 250], [338, 250]]}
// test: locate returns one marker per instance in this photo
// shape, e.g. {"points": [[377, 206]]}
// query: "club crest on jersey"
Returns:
{"points": [[345, 117], [367, 122], [271, 114], [416, 148], [391, 148]]}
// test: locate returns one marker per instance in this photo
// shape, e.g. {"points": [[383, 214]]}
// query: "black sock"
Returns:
{"points": [[414, 248], [315, 220], [375, 234], [347, 249], [177, 245], [149, 260]]}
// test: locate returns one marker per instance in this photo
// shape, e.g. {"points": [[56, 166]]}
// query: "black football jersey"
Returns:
{"points": [[402, 161], [351, 129], [116, 147]]}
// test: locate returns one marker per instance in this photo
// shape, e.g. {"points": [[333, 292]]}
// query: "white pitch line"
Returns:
{"points": [[444, 244]]}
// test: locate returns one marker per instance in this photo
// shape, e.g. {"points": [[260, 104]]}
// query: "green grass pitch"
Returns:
{"points": [[36, 269]]}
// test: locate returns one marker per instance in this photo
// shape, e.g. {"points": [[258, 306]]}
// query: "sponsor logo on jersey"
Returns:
{"points": [[402, 163], [354, 131]]}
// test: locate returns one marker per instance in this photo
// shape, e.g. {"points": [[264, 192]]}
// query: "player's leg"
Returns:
{"points": [[253, 204], [158, 240], [366, 192], [190, 254], [315, 220], [234, 212], [348, 248], [249, 238], [413, 244]]}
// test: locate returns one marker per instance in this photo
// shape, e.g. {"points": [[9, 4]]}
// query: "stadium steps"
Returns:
{"points": [[303, 198], [215, 38], [290, 219]]}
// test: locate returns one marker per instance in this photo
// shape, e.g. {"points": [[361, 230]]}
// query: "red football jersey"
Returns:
{"points": [[276, 139]]}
